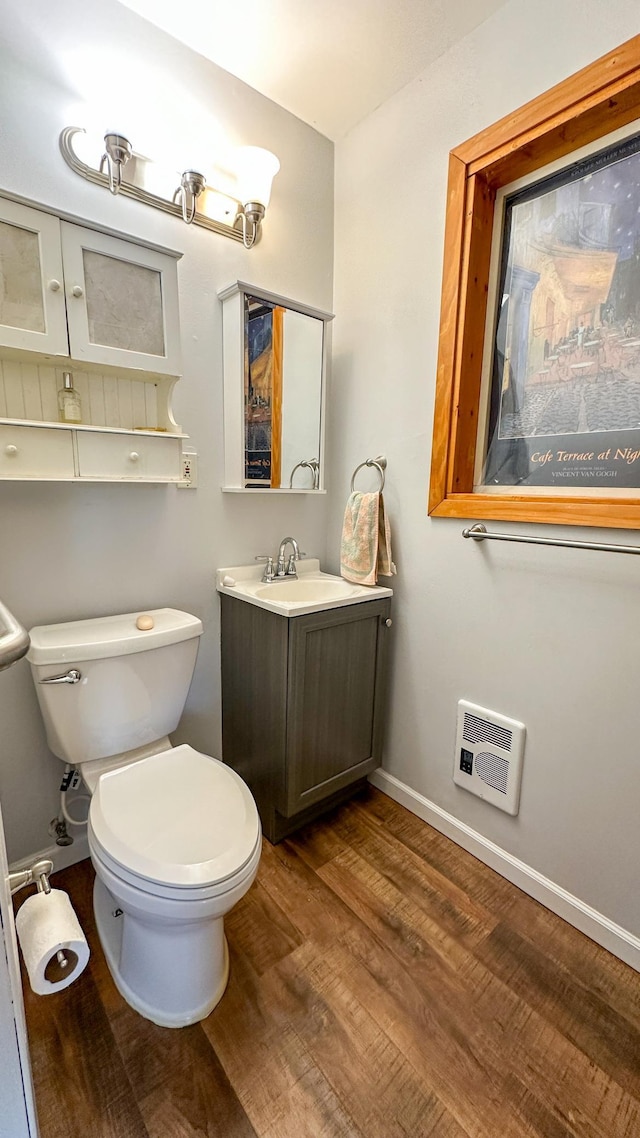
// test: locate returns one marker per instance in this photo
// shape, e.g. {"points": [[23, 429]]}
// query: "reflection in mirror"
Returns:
{"points": [[282, 395], [275, 354]]}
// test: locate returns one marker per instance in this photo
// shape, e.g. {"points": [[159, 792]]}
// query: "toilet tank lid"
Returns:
{"points": [[109, 636]]}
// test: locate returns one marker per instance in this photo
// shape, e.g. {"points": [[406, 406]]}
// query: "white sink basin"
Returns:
{"points": [[306, 589], [312, 591]]}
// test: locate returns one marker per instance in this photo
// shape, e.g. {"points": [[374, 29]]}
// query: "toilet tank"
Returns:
{"points": [[133, 682]]}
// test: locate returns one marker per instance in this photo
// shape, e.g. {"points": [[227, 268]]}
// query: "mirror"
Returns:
{"points": [[274, 393]]}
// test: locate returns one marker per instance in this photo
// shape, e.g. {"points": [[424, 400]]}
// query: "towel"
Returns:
{"points": [[365, 551]]}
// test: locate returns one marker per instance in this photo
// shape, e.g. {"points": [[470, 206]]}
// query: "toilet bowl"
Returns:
{"points": [[174, 834]]}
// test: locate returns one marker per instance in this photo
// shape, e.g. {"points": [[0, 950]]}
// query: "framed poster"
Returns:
{"points": [[563, 406], [538, 390]]}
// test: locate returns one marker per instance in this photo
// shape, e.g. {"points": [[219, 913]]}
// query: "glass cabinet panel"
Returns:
{"points": [[21, 303], [32, 313], [124, 304]]}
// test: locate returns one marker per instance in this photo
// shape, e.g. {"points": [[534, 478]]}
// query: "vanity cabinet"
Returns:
{"points": [[302, 705], [106, 309]]}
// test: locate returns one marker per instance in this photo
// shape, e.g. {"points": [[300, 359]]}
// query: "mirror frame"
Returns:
{"points": [[233, 318]]}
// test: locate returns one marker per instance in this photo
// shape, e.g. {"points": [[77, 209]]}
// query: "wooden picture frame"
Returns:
{"points": [[598, 100]]}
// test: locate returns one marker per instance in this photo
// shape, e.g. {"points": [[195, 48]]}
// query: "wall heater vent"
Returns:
{"points": [[488, 755]]}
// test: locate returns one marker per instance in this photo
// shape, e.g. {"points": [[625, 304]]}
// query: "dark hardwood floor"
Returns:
{"points": [[384, 984]]}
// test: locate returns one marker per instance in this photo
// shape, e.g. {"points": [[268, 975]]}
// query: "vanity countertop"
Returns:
{"points": [[311, 591]]}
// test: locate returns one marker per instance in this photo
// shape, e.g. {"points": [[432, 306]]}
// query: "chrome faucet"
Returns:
{"points": [[290, 570], [282, 571]]}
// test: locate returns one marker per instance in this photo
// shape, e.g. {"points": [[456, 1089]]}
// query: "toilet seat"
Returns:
{"points": [[175, 824]]}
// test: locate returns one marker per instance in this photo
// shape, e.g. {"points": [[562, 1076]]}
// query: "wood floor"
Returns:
{"points": [[384, 984]]}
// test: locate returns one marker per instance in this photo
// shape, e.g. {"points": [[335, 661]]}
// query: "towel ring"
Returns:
{"points": [[380, 464]]}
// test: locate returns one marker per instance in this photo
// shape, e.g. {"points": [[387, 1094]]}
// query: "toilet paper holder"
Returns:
{"points": [[38, 875]]}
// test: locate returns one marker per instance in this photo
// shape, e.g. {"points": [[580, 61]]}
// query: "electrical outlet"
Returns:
{"points": [[188, 470]]}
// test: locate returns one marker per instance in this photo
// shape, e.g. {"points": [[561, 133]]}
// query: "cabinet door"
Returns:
{"points": [[32, 308], [335, 687], [122, 302]]}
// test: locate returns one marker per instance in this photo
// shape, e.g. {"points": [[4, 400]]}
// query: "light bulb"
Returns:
{"points": [[255, 170]]}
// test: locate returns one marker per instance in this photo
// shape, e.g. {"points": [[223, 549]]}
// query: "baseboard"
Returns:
{"points": [[595, 925], [61, 856]]}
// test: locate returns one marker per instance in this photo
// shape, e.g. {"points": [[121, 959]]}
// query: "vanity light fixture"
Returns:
{"points": [[116, 155], [255, 170], [239, 216], [191, 186]]}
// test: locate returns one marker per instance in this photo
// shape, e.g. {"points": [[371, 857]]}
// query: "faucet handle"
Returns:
{"points": [[291, 565], [268, 574]]}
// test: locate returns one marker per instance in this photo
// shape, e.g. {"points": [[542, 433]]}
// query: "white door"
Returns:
{"points": [[17, 1106], [122, 302], [32, 307]]}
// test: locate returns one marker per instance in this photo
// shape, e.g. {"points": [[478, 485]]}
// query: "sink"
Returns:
{"points": [[311, 591]]}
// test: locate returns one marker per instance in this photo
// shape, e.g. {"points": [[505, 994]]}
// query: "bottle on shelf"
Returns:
{"points": [[69, 408]]}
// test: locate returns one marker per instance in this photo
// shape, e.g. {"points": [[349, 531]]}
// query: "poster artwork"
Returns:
{"points": [[258, 393], [565, 373]]}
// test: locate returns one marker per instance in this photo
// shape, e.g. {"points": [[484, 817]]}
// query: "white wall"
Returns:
{"points": [[547, 636], [69, 552]]}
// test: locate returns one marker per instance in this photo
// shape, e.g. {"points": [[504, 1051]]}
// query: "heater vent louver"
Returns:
{"points": [[482, 731], [493, 770], [488, 755]]}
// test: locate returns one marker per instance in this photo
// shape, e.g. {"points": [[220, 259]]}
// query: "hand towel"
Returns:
{"points": [[365, 550]]}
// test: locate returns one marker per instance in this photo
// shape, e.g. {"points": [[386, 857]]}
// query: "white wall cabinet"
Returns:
{"points": [[119, 300], [106, 309]]}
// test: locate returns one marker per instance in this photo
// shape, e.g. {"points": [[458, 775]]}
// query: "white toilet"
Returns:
{"points": [[174, 835]]}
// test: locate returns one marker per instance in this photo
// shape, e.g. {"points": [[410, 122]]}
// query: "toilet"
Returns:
{"points": [[174, 834]]}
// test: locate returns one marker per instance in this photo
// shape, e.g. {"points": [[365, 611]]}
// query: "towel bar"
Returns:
{"points": [[479, 532], [380, 464]]}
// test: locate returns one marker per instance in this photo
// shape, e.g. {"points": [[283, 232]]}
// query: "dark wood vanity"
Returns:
{"points": [[302, 705]]}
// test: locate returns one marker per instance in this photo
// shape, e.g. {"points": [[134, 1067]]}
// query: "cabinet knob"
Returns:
{"points": [[388, 622], [134, 456], [55, 285], [11, 450], [77, 291]]}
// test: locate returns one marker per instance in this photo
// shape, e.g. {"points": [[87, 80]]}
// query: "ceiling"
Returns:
{"points": [[330, 62]]}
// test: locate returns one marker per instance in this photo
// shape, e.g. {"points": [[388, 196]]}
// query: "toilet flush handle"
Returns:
{"points": [[73, 676]]}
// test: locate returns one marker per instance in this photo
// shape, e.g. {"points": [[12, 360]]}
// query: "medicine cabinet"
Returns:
{"points": [[106, 309], [275, 359]]}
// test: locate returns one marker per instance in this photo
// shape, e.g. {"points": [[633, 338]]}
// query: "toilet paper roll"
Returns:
{"points": [[46, 925]]}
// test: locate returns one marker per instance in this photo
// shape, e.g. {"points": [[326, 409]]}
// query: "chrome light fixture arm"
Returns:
{"points": [[251, 218], [117, 153], [191, 186]]}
